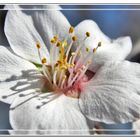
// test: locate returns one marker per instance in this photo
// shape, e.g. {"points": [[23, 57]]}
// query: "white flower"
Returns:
{"points": [[63, 74], [135, 51]]}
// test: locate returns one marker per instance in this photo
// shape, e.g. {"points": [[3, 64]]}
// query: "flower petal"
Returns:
{"points": [[51, 22], [59, 115], [13, 70], [12, 65], [110, 49], [24, 85], [113, 95], [134, 55], [93, 29], [5, 91], [22, 36]]}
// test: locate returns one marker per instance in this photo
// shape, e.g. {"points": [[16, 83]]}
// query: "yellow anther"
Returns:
{"points": [[59, 62], [61, 53], [72, 65], [71, 29], [89, 62], [64, 43], [55, 38], [58, 44], [67, 65], [87, 49], [56, 65], [94, 50], [44, 60], [38, 45], [73, 53], [79, 53], [99, 44], [64, 77], [53, 41], [74, 38], [87, 34], [64, 67]]}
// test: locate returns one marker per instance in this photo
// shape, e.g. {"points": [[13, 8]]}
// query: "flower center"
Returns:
{"points": [[67, 71]]}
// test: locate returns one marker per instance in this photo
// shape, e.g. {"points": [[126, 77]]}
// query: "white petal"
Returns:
{"points": [[22, 36], [13, 70], [61, 115], [110, 50], [5, 90], [8, 96], [117, 50], [113, 95], [51, 22], [95, 33], [11, 65], [135, 51], [3, 40], [23, 86]]}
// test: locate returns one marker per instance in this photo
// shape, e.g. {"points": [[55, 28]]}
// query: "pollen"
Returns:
{"points": [[73, 53], [38, 45], [44, 60], [72, 65], [55, 38], [87, 49], [74, 38], [64, 77], [66, 66], [99, 44], [88, 34], [53, 41], [79, 53], [58, 44], [94, 50], [71, 30], [89, 62], [64, 43]]}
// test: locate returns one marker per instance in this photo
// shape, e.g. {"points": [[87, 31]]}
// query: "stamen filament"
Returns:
{"points": [[78, 49], [54, 78], [63, 81], [68, 50], [83, 72], [46, 74], [66, 67], [60, 78], [74, 78]]}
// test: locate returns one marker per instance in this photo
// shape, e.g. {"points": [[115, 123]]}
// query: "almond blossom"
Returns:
{"points": [[56, 75]]}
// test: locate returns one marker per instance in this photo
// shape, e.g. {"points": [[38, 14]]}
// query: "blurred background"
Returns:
{"points": [[114, 21]]}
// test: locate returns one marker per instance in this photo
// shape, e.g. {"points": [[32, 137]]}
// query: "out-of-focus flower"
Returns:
{"points": [[59, 75], [135, 53]]}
